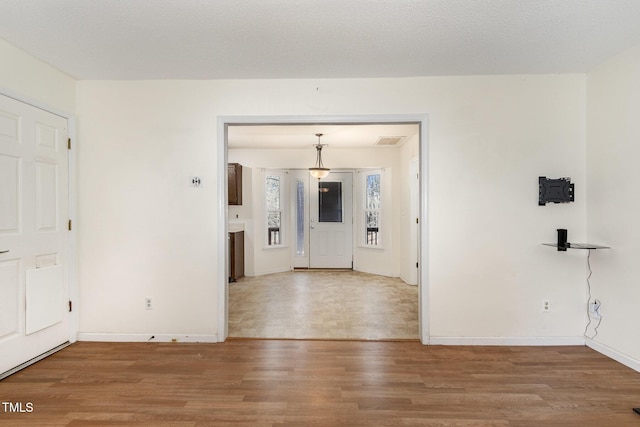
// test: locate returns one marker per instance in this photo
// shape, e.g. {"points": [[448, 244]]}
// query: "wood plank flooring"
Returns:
{"points": [[323, 305], [322, 383]]}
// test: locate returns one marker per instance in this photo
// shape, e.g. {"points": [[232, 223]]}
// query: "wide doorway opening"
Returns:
{"points": [[317, 252]]}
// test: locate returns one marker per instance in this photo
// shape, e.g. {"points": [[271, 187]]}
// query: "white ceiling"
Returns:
{"points": [[304, 136], [241, 39], [258, 39]]}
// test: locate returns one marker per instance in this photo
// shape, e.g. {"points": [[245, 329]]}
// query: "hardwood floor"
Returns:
{"points": [[321, 383], [323, 305]]}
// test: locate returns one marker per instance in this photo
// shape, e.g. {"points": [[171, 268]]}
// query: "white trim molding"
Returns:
{"points": [[224, 121], [614, 354], [508, 341], [177, 338]]}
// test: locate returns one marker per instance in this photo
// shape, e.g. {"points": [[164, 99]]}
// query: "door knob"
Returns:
{"points": [[4, 252]]}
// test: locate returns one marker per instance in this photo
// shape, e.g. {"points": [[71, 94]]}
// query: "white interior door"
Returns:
{"points": [[34, 235], [331, 221]]}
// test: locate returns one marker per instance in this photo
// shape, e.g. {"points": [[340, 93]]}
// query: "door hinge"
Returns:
{"points": [[69, 225], [70, 306], [417, 220], [416, 265], [68, 143]]}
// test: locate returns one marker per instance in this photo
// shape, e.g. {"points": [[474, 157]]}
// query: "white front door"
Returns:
{"points": [[331, 221], [34, 235]]}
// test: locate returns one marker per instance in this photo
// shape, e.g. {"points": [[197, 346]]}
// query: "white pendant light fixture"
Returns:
{"points": [[319, 171]]}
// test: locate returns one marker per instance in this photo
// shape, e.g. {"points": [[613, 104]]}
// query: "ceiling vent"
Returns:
{"points": [[389, 140]]}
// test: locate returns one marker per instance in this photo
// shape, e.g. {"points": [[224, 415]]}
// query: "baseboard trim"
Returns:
{"points": [[377, 273], [503, 341], [202, 338], [36, 359], [614, 354], [267, 272]]}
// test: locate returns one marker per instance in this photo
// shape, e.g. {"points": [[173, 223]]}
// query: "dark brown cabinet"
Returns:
{"points": [[234, 177], [236, 255]]}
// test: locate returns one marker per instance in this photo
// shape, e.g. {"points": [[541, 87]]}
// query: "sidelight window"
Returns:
{"points": [[300, 215], [274, 207], [372, 209]]}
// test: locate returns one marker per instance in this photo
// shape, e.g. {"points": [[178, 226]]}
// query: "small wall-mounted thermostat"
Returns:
{"points": [[195, 181]]}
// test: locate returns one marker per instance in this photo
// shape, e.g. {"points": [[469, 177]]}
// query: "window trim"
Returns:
{"points": [[362, 240], [282, 175]]}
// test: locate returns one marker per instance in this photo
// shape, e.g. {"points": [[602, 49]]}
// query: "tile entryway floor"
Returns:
{"points": [[323, 304]]}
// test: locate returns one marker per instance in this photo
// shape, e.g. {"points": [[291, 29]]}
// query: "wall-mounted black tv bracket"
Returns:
{"points": [[563, 245], [554, 190]]}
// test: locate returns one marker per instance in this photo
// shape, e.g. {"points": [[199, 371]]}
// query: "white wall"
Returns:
{"points": [[613, 148], [32, 79], [145, 233], [490, 140]]}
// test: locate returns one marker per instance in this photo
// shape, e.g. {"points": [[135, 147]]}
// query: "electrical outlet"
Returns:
{"points": [[147, 304], [595, 309], [546, 305]]}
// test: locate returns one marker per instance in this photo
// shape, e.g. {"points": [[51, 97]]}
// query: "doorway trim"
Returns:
{"points": [[222, 135]]}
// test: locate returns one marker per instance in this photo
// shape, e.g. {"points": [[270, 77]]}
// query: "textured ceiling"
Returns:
{"points": [[240, 39]]}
